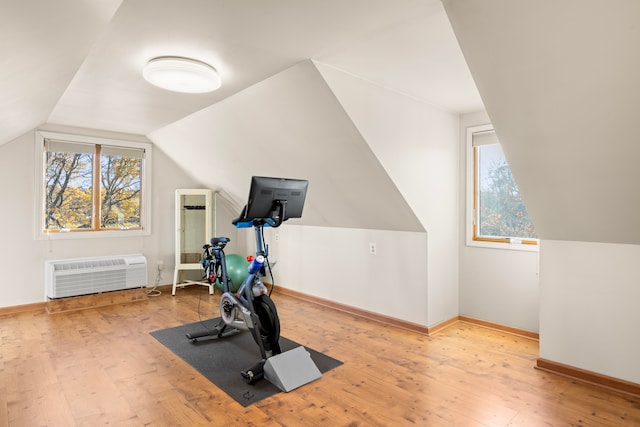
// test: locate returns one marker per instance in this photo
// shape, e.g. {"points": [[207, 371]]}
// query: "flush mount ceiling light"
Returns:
{"points": [[181, 75]]}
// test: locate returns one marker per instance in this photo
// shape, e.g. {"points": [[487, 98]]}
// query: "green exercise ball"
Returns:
{"points": [[237, 269]]}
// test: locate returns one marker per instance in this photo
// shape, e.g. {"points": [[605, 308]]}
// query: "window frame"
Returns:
{"points": [[471, 203], [40, 152]]}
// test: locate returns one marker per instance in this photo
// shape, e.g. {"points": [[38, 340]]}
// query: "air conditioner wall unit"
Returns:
{"points": [[83, 276]]}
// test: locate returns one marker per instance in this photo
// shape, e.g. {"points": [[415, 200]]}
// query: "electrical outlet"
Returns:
{"points": [[372, 248], [160, 265]]}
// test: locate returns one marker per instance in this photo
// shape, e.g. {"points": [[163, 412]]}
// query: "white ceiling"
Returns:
{"points": [[79, 62], [559, 79]]}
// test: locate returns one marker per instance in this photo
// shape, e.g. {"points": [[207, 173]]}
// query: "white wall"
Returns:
{"points": [[21, 260], [375, 159], [496, 285], [335, 264], [22, 257], [417, 145], [589, 312], [414, 276]]}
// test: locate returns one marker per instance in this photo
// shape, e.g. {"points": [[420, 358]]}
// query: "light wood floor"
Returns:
{"points": [[101, 367]]}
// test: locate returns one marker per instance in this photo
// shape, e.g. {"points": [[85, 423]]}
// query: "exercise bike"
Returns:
{"points": [[250, 307]]}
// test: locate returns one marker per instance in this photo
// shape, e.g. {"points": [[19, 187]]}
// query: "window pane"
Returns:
{"points": [[120, 190], [68, 183], [501, 211], [90, 184]]}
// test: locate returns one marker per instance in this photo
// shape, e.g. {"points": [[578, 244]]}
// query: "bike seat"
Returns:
{"points": [[219, 241]]}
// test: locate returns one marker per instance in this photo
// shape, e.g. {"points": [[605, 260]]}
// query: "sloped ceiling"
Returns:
{"points": [[290, 125], [43, 44], [559, 80], [79, 62]]}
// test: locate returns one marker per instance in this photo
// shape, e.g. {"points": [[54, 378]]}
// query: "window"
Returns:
{"points": [[497, 214], [92, 184]]}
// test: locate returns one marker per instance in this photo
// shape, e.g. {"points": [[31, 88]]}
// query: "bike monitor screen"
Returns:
{"points": [[265, 193]]}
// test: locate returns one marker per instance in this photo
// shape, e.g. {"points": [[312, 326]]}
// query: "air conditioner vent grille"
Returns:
{"points": [[94, 263], [73, 277]]}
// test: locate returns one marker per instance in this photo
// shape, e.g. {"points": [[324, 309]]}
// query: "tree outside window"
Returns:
{"points": [[120, 188], [79, 199], [499, 212]]}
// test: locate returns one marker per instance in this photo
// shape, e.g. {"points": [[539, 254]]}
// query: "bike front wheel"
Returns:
{"points": [[269, 326]]}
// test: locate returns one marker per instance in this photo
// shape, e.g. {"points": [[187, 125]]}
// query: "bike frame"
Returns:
{"points": [[238, 309], [242, 302]]}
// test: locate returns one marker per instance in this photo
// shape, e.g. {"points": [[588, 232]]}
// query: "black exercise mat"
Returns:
{"points": [[222, 360]]}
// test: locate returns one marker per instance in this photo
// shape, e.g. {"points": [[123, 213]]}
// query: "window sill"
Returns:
{"points": [[92, 234], [504, 246]]}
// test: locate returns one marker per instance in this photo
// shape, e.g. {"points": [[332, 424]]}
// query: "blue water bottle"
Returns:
{"points": [[256, 263]]}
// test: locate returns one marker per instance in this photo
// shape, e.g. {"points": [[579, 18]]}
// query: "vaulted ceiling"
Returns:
{"points": [[558, 79], [79, 62]]}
